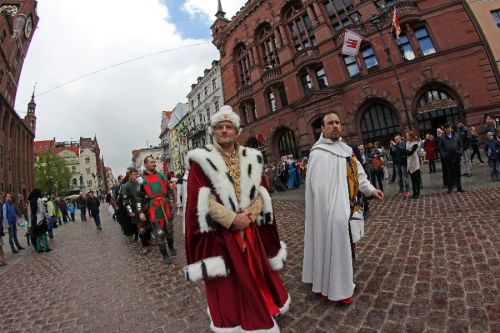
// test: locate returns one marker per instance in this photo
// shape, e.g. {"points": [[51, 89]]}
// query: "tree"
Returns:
{"points": [[51, 173]]}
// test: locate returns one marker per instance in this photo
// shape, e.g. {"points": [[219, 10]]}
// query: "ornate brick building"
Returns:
{"points": [[18, 20], [282, 68]]}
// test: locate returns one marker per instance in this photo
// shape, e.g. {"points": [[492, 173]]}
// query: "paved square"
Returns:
{"points": [[427, 265]]}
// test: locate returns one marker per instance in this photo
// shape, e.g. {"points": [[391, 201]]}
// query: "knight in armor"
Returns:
{"points": [[159, 207], [132, 198]]}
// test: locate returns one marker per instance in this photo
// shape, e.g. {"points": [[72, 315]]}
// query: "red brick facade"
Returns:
{"points": [[18, 21], [289, 47]]}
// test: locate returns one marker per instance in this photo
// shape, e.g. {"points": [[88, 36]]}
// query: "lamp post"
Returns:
{"points": [[378, 24]]}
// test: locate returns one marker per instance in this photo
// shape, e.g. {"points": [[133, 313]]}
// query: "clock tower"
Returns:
{"points": [[30, 118]]}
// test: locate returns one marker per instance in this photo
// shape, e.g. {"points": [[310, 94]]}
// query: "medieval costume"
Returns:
{"points": [[244, 291], [129, 228], [37, 217], [327, 248], [156, 193], [133, 198]]}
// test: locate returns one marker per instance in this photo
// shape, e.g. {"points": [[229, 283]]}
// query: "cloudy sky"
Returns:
{"points": [[120, 105]]}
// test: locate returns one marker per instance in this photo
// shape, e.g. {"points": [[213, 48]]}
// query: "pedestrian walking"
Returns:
{"points": [[71, 210], [492, 150], [399, 159], [81, 202], [333, 180], [465, 137], [38, 217], [430, 152], [232, 242], [413, 163], [93, 204], [450, 147], [474, 142], [178, 184], [10, 219]]}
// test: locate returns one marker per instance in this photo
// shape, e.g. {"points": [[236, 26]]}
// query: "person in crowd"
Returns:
{"points": [[465, 137], [59, 213], [133, 200], [232, 241], [370, 171], [450, 147], [93, 204], [81, 202], [129, 228], [158, 208], [392, 152], [10, 219], [71, 210], [267, 176], [489, 125], [413, 162], [2, 254], [334, 178], [38, 219], [293, 173], [492, 150], [63, 207], [399, 155], [430, 152], [377, 165], [277, 185], [475, 143], [178, 184]]}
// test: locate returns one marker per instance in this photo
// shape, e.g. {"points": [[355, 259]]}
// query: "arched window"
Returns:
{"points": [[267, 43], [379, 123], [340, 13], [287, 143], [435, 108], [243, 61], [301, 29]]}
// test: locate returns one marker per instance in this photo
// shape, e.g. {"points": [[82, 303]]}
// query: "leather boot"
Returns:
{"points": [[165, 255], [171, 247]]}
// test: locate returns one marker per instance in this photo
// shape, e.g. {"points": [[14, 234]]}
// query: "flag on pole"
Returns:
{"points": [[352, 42], [395, 23]]}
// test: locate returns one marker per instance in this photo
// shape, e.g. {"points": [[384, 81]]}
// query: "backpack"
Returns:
{"points": [[377, 163]]}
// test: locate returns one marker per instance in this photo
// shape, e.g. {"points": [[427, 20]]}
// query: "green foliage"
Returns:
{"points": [[51, 173]]}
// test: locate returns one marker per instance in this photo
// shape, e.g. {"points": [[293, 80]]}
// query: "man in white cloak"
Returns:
{"points": [[327, 248]]}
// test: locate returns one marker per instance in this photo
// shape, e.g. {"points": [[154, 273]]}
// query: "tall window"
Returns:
{"points": [[379, 122], [496, 17], [267, 45], [425, 41], [282, 93], [254, 109], [369, 58], [272, 101], [306, 82], [214, 84], [352, 66], [405, 48], [75, 182], [73, 168], [87, 160], [321, 76], [89, 183], [300, 27], [243, 65], [206, 91], [244, 113], [383, 4], [338, 13], [216, 106], [87, 170]]}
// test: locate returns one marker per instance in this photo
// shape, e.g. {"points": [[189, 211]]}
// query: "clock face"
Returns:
{"points": [[28, 27]]}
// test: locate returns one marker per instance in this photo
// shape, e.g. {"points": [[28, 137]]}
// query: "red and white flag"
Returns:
{"points": [[352, 42], [395, 23]]}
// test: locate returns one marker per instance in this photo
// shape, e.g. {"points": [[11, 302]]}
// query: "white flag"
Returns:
{"points": [[352, 42]]}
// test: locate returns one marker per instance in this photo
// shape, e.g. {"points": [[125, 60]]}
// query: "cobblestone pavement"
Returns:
{"points": [[427, 265]]}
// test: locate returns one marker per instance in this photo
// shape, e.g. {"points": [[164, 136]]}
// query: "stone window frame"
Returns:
{"points": [[296, 17], [242, 59], [267, 45], [338, 17]]}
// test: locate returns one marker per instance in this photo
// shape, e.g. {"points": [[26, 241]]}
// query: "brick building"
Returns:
{"points": [[18, 20], [282, 68]]}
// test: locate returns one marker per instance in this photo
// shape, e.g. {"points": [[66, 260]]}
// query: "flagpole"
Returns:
{"points": [[376, 22]]}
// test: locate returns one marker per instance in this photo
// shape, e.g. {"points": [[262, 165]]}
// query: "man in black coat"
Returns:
{"points": [[93, 204], [451, 149]]}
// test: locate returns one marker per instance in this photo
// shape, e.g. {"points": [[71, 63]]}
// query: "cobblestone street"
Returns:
{"points": [[427, 265]]}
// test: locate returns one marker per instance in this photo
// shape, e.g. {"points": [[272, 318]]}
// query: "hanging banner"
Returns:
{"points": [[352, 42]]}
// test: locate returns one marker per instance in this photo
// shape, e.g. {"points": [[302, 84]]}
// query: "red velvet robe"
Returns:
{"points": [[235, 298]]}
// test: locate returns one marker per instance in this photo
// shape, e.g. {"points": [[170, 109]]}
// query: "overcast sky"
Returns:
{"points": [[122, 105]]}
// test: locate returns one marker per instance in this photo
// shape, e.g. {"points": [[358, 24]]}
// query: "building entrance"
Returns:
{"points": [[434, 109]]}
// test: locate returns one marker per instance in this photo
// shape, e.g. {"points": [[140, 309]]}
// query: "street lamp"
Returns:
{"points": [[378, 24]]}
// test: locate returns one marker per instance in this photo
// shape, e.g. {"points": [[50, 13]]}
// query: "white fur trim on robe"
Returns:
{"points": [[278, 262], [202, 207], [266, 215], [238, 329], [327, 251], [207, 268]]}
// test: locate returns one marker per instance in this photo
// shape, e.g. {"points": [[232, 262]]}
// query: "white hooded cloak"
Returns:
{"points": [[327, 249]]}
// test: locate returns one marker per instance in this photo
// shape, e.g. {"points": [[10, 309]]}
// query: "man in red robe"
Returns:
{"points": [[232, 242]]}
